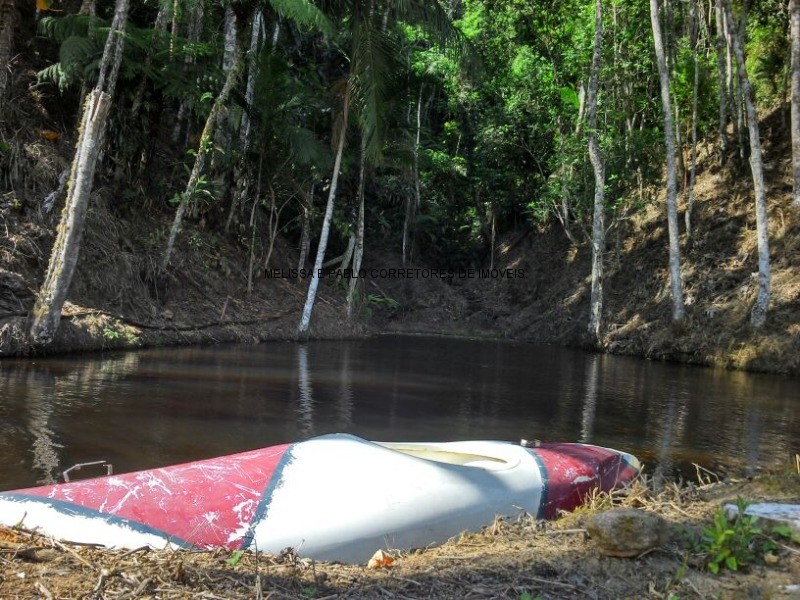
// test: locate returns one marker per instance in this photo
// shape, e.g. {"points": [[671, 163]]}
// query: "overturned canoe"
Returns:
{"points": [[335, 497]]}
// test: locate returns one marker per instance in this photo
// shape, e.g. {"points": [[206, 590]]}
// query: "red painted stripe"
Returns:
{"points": [[573, 471], [207, 503]]}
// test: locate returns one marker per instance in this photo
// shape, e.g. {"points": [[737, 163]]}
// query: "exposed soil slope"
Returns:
{"points": [[551, 302], [119, 298]]}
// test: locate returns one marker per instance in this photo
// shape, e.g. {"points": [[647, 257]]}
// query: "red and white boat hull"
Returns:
{"points": [[335, 497]]}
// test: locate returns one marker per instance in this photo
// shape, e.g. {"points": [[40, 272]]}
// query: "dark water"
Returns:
{"points": [[156, 407]]}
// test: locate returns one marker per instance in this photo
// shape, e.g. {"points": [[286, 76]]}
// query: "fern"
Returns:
{"points": [[59, 29], [54, 74]]}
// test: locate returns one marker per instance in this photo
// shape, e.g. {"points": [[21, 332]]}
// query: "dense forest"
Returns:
{"points": [[239, 137]]}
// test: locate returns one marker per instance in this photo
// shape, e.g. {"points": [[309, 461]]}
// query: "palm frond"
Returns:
{"points": [[306, 148], [374, 66], [430, 16], [304, 13]]}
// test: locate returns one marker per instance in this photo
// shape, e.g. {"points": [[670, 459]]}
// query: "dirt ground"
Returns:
{"points": [[518, 560], [550, 303]]}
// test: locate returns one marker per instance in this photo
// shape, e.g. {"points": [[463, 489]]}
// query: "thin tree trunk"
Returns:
{"points": [[407, 218], [305, 319], [176, 21], [598, 226], [8, 19], [359, 253], [695, 26], [46, 314], [344, 260], [222, 133], [159, 27], [241, 176], [794, 16], [734, 102], [193, 35], [253, 227], [273, 224], [680, 166], [759, 314], [305, 236], [723, 96], [413, 206], [202, 151], [417, 195], [669, 142]]}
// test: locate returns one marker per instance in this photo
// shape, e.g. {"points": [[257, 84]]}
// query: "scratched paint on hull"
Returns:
{"points": [[574, 470], [208, 503], [335, 497]]}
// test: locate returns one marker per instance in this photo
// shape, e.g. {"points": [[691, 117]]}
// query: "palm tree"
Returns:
{"points": [[374, 54]]}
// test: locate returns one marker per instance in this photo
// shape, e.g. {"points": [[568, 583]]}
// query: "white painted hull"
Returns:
{"points": [[335, 497]]}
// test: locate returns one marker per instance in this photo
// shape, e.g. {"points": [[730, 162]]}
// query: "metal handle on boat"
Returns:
{"points": [[530, 443], [109, 468]]}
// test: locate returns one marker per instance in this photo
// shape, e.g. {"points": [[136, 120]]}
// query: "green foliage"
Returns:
{"points": [[379, 300], [304, 14], [730, 544]]}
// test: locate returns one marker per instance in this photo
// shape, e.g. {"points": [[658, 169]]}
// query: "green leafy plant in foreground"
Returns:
{"points": [[731, 543]]}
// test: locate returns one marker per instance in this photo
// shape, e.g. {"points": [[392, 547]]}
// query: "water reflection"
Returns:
{"points": [[161, 406], [44, 447], [590, 398], [305, 408]]}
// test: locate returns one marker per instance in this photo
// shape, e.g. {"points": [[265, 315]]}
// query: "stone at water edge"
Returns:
{"points": [[771, 514], [627, 532]]}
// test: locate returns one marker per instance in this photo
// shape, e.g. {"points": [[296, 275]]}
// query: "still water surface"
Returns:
{"points": [[161, 406]]}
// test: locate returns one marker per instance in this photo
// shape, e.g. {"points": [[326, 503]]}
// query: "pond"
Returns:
{"points": [[162, 406]]}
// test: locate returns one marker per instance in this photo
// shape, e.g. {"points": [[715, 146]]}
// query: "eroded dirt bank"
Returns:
{"points": [[550, 303], [119, 299]]}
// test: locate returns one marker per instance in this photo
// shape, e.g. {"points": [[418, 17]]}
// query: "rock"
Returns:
{"points": [[627, 532]]}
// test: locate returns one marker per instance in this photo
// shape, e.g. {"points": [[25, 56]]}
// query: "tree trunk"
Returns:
{"points": [[159, 27], [8, 18], [794, 16], [240, 175], [408, 217], [202, 150], [723, 96], [417, 195], [223, 131], [46, 314], [598, 226], [669, 142], [680, 166], [305, 236], [253, 221], [359, 254], [193, 35], [759, 314], [305, 319], [695, 27], [412, 206]]}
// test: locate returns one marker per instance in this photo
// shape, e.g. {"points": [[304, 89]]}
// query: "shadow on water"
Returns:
{"points": [[162, 406]]}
